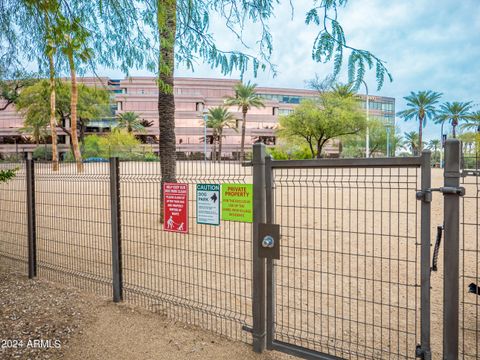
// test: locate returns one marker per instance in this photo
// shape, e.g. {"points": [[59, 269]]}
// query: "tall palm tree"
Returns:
{"points": [[245, 98], [218, 119], [130, 121], [454, 112], [420, 107], [412, 141], [72, 38]]}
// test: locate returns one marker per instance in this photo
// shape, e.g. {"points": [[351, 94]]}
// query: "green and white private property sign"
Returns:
{"points": [[208, 204]]}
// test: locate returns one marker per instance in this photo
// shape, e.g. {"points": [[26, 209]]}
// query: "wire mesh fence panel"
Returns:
{"points": [[202, 277], [347, 282], [73, 225], [470, 262], [13, 217]]}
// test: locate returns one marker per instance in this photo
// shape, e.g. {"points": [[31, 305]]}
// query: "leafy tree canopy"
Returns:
{"points": [[34, 101], [317, 121]]}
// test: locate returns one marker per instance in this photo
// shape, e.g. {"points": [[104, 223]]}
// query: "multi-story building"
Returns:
{"points": [[192, 96]]}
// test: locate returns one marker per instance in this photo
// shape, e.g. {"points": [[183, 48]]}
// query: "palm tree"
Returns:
{"points": [[72, 37], [130, 121], [412, 141], [421, 107], [473, 122], [434, 144], [245, 98], [454, 112], [219, 118], [344, 90]]}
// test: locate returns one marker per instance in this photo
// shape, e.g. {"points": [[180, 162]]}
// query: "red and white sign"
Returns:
{"points": [[175, 203]]}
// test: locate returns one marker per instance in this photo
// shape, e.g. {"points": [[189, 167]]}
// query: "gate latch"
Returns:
{"points": [[269, 241], [426, 195]]}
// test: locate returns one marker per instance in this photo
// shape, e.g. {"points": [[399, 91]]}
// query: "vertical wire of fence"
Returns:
{"points": [[13, 217], [203, 277], [348, 281], [73, 225], [469, 346]]}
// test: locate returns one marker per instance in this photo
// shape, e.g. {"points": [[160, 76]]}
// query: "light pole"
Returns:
{"points": [[367, 139], [388, 141], [443, 144], [205, 118]]}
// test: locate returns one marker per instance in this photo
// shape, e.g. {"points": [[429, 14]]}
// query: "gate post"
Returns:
{"points": [[451, 251], [258, 275], [117, 276], [31, 221], [426, 173]]}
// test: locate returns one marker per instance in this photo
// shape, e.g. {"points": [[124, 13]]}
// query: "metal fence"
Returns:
{"points": [[352, 278], [203, 277], [13, 217], [470, 261]]}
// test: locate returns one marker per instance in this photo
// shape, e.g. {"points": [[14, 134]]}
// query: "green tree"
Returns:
{"points": [[354, 145], [455, 112], [245, 98], [34, 102], [468, 140], [421, 108], [316, 122], [130, 121], [434, 145], [218, 119], [36, 126], [412, 141], [11, 83], [472, 122]]}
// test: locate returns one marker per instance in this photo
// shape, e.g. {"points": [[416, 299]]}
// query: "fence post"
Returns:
{"points": [[451, 276], [32, 235], [426, 170], [258, 276], [116, 230]]}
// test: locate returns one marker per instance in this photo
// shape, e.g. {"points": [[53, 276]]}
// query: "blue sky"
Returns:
{"points": [[427, 44]]}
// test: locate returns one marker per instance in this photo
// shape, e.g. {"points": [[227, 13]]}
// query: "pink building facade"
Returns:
{"points": [[192, 96]]}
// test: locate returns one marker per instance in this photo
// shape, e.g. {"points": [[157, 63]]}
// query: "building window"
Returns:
{"points": [[119, 106], [199, 106], [275, 110]]}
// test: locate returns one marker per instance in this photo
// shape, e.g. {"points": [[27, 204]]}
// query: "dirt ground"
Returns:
{"points": [[89, 327]]}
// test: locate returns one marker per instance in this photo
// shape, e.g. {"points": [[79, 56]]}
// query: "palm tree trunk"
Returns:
{"points": [[166, 23], [420, 136], [454, 126], [53, 122], [220, 145], [214, 152], [244, 125], [73, 114]]}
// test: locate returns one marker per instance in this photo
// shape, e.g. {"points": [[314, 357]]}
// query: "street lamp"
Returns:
{"points": [[367, 140], [205, 118]]}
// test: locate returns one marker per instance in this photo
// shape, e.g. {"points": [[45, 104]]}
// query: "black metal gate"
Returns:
{"points": [[349, 274]]}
